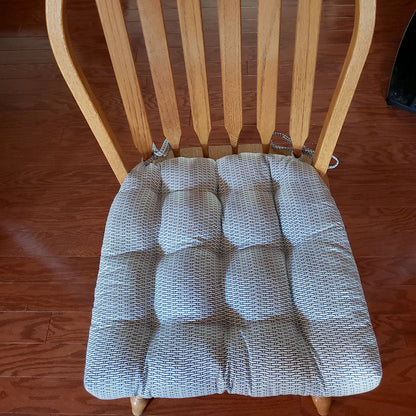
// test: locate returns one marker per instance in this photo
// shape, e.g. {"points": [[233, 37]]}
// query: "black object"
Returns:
{"points": [[402, 88]]}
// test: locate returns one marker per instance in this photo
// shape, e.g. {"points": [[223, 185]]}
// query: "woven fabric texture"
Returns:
{"points": [[235, 275]]}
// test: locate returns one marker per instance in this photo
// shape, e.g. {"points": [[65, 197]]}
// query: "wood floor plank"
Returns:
{"points": [[71, 243], [46, 360], [57, 175], [395, 330], [48, 152], [57, 296], [368, 225], [24, 43], [69, 327], [378, 402], [399, 365], [25, 56], [44, 120], [227, 405], [44, 71], [391, 299], [376, 151], [24, 327], [50, 219], [67, 270], [54, 396], [375, 186], [95, 195], [376, 271]]}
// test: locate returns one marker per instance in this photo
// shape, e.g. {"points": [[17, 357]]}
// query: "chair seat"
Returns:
{"points": [[231, 275]]}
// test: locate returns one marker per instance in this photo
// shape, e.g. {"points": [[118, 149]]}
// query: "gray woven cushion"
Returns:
{"points": [[235, 276]]}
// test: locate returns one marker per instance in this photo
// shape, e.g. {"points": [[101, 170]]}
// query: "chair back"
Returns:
{"points": [[230, 43]]}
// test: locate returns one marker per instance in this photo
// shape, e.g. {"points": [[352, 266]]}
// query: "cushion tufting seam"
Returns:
{"points": [[285, 248], [223, 256]]}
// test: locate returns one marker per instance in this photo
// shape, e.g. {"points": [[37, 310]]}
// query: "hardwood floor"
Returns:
{"points": [[56, 189]]}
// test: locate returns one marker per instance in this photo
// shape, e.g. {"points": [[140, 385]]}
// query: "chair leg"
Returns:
{"points": [[322, 404], [138, 404]]}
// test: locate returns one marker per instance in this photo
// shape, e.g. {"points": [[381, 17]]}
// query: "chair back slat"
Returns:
{"points": [[115, 32], [304, 63], [365, 13], [229, 24], [231, 54], [154, 33], [268, 31], [80, 89], [190, 21]]}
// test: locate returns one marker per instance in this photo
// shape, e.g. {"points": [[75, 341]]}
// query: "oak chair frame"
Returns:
{"points": [[229, 21]]}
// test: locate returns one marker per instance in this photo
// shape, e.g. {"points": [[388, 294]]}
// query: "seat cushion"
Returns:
{"points": [[235, 275]]}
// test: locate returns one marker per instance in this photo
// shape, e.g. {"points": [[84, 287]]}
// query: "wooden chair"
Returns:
{"points": [[229, 22]]}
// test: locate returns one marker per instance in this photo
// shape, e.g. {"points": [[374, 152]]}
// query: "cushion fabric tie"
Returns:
{"points": [[305, 150]]}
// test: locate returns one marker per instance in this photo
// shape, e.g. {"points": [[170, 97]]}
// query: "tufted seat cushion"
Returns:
{"points": [[235, 276]]}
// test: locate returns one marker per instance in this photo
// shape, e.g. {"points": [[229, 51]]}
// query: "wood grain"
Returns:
{"points": [[193, 49], [229, 22], [306, 49], [394, 229], [46, 269], [69, 327], [46, 297], [399, 365], [394, 331], [47, 361], [25, 328], [52, 398], [378, 271], [151, 17], [390, 299], [379, 401], [112, 20], [268, 28]]}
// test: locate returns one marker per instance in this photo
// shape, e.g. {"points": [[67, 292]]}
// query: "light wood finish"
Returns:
{"points": [[80, 89], [115, 32], [229, 23], [153, 27], [189, 12], [138, 404], [365, 15], [268, 31], [190, 20], [304, 63], [322, 404]]}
